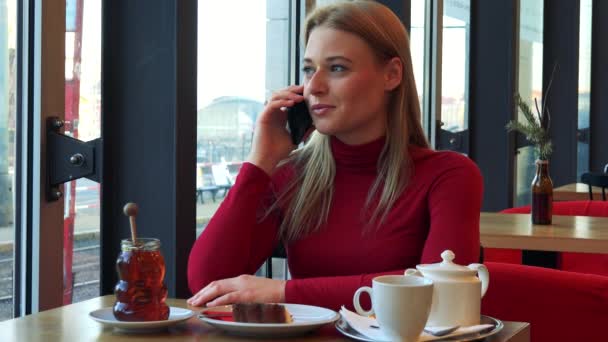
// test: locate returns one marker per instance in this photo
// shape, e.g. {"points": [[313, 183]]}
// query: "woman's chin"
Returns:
{"points": [[324, 129], [321, 131]]}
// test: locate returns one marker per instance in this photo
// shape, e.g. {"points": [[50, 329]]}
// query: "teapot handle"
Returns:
{"points": [[412, 272], [484, 276]]}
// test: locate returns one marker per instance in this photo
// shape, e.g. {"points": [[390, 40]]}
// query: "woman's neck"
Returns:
{"points": [[363, 157]]}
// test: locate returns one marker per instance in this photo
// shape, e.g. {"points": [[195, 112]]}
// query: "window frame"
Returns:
{"points": [[38, 252]]}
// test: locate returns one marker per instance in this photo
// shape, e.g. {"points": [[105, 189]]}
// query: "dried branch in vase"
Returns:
{"points": [[536, 125], [535, 128]]}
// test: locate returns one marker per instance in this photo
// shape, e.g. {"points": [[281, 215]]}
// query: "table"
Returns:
{"points": [[567, 234], [71, 323], [576, 192]]}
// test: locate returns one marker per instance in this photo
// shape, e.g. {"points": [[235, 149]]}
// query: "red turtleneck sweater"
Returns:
{"points": [[438, 210]]}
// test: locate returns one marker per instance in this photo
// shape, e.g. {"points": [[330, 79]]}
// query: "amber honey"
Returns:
{"points": [[140, 291]]}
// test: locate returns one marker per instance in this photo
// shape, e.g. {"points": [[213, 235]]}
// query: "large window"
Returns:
{"points": [[530, 87], [8, 94], [584, 88], [237, 70], [417, 34], [455, 66], [243, 56], [81, 241]]}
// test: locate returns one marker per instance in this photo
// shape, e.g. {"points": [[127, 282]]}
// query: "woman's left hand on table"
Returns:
{"points": [[241, 289]]}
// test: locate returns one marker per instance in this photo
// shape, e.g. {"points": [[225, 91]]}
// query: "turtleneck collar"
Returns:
{"points": [[361, 158]]}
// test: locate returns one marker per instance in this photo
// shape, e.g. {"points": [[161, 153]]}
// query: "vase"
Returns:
{"points": [[542, 194]]}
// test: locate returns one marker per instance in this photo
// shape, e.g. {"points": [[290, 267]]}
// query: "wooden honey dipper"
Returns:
{"points": [[130, 210]]}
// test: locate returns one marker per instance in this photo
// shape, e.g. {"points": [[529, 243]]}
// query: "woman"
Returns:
{"points": [[364, 196]]}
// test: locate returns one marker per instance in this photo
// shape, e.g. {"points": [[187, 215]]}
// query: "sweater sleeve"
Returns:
{"points": [[454, 202], [331, 292], [234, 241]]}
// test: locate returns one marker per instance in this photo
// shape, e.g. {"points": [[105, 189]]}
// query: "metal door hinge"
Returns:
{"points": [[69, 159]]}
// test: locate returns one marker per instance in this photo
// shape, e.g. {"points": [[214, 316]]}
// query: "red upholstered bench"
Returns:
{"points": [[575, 262], [559, 305]]}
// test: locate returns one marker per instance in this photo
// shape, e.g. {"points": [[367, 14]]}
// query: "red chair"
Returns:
{"points": [[559, 305], [575, 262]]}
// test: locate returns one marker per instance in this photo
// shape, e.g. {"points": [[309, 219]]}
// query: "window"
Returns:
{"points": [[81, 241], [455, 71], [455, 66], [237, 70], [530, 87], [417, 34], [584, 88], [8, 95]]}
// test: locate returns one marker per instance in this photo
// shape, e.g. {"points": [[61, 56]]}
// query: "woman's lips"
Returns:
{"points": [[321, 109]]}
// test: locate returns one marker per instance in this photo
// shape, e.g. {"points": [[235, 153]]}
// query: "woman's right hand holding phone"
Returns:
{"points": [[271, 140]]}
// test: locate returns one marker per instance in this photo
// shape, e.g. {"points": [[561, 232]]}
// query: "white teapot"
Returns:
{"points": [[457, 290]]}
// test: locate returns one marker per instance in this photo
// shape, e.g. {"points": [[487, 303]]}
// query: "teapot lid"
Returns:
{"points": [[446, 265]]}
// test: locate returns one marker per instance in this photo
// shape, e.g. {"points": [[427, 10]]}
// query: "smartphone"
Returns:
{"points": [[298, 121]]}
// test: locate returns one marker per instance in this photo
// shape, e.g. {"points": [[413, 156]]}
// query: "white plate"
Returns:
{"points": [[305, 318], [106, 317], [346, 330]]}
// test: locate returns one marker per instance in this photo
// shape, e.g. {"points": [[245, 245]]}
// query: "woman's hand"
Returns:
{"points": [[271, 141], [244, 288]]}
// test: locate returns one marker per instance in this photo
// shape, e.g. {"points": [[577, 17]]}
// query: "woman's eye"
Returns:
{"points": [[338, 68], [308, 70]]}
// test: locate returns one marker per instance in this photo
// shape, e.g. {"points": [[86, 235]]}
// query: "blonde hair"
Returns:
{"points": [[307, 198]]}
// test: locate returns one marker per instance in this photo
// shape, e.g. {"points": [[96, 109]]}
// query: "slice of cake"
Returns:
{"points": [[260, 313]]}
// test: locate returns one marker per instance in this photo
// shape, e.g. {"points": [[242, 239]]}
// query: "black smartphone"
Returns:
{"points": [[298, 121]]}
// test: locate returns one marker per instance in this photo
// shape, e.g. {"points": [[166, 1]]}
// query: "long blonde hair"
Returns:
{"points": [[307, 198]]}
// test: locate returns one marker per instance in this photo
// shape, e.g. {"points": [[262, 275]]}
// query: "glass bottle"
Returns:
{"points": [[542, 194], [140, 291]]}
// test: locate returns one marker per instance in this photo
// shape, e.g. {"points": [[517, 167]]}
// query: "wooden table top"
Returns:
{"points": [[71, 323], [566, 234], [576, 192]]}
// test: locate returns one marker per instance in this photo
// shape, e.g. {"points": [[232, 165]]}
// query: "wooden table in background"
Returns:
{"points": [[567, 234], [72, 323], [576, 192]]}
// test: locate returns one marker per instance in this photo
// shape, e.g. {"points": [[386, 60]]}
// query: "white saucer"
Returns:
{"points": [[305, 318], [345, 329], [106, 317]]}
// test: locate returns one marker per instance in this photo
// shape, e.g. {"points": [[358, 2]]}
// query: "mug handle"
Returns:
{"points": [[357, 305], [412, 272], [484, 276]]}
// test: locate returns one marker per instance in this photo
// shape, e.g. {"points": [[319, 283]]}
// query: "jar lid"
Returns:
{"points": [[447, 265], [143, 244]]}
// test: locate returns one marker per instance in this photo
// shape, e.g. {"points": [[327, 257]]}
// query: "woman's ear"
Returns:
{"points": [[393, 73]]}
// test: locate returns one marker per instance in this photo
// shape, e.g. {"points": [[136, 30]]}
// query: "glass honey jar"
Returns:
{"points": [[140, 291]]}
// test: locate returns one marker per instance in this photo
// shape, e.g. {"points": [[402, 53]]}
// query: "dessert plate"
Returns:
{"points": [[106, 317], [305, 318], [346, 330]]}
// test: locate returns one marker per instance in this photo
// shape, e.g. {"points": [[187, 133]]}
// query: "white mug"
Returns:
{"points": [[401, 304]]}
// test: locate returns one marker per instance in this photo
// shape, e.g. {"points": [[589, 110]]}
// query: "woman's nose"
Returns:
{"points": [[317, 84]]}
